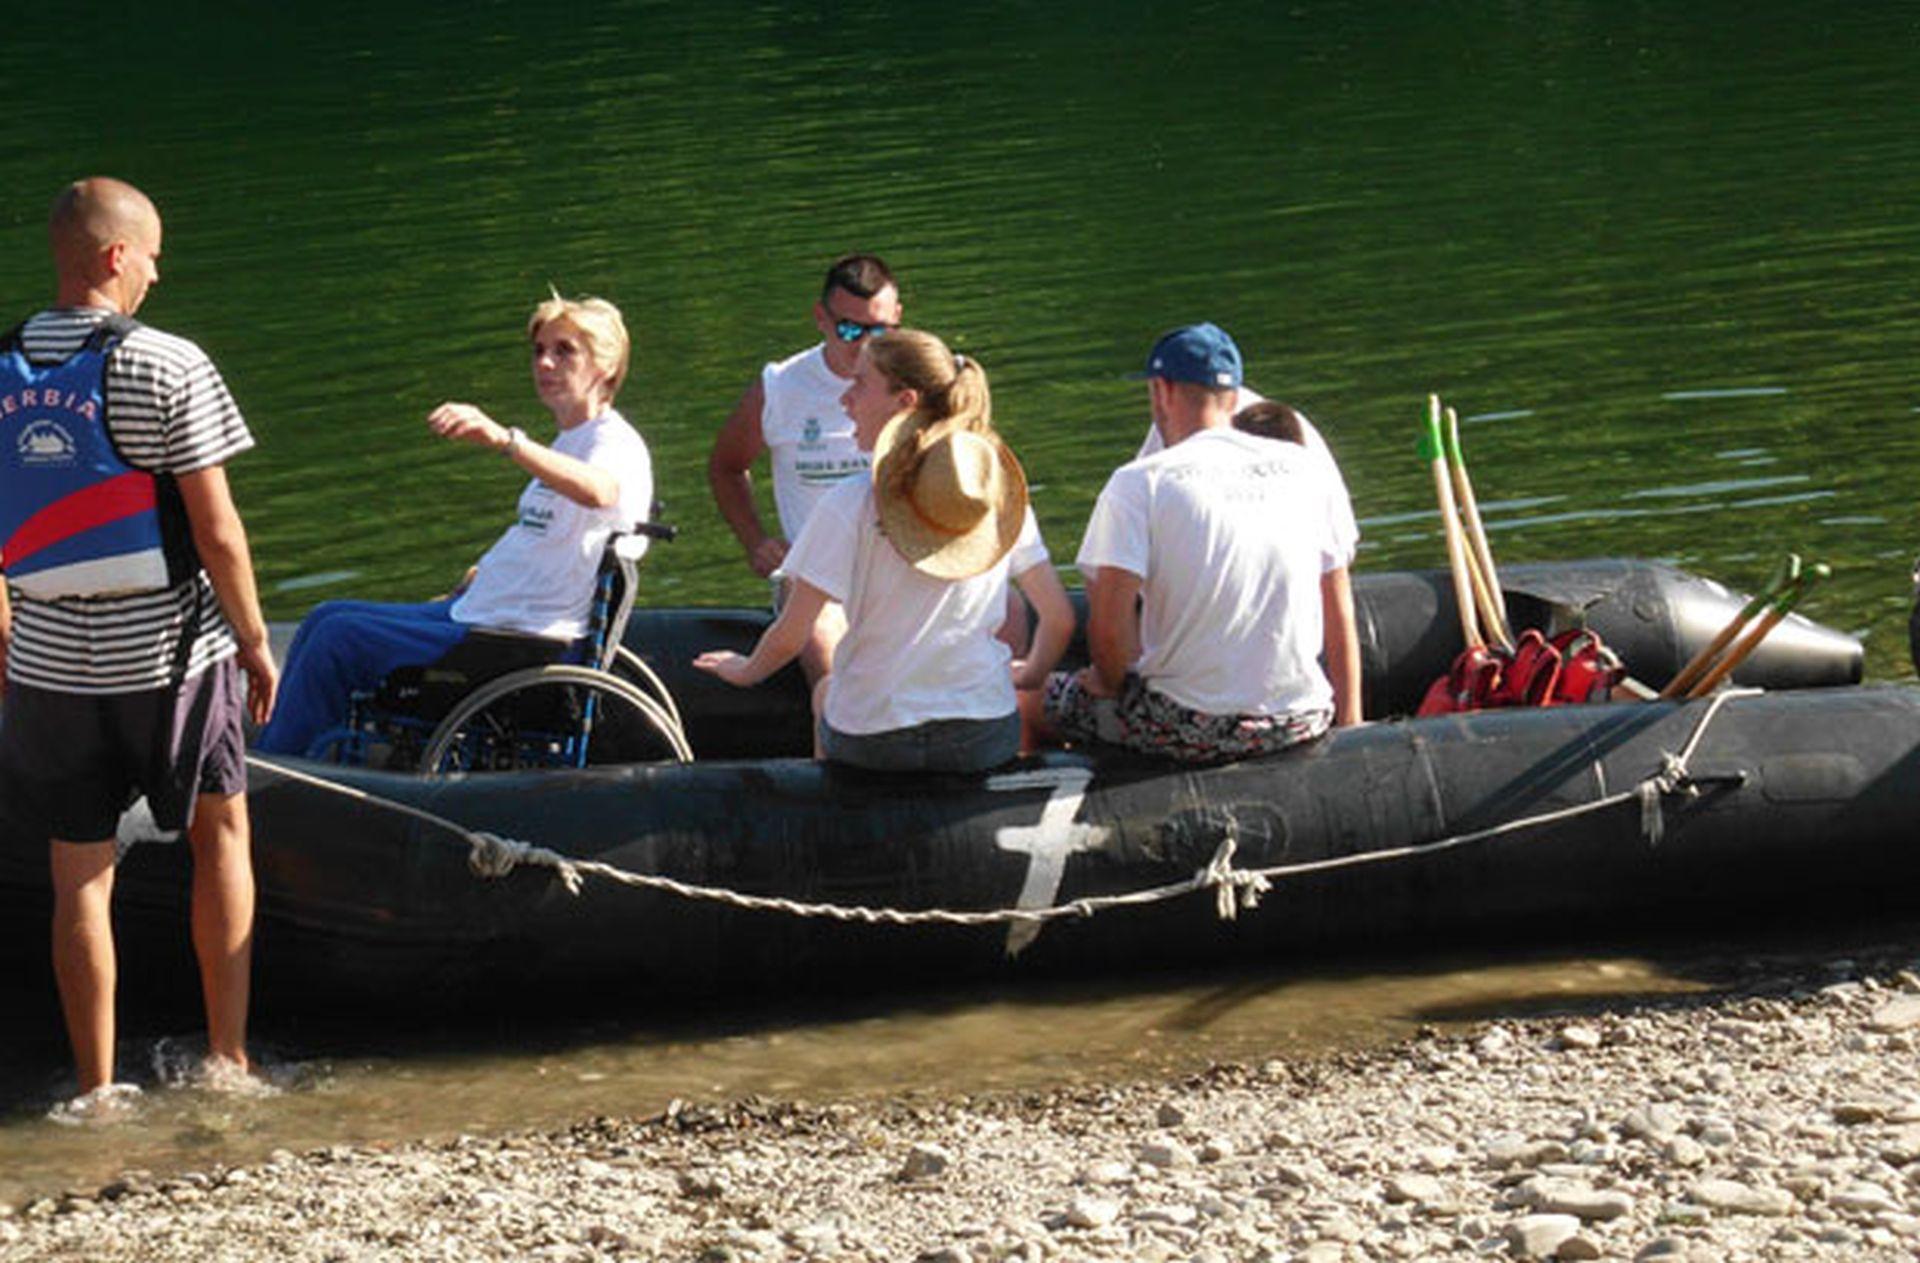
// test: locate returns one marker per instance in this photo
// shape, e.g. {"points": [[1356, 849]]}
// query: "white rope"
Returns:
{"points": [[1235, 890]]}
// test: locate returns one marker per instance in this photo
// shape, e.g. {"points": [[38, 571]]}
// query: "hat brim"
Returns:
{"points": [[929, 548]]}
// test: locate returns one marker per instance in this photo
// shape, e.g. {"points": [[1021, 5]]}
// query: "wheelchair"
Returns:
{"points": [[505, 701]]}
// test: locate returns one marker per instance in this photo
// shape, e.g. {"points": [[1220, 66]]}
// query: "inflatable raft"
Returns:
{"points": [[625, 887]]}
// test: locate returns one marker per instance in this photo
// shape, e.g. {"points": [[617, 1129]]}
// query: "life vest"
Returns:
{"points": [[1572, 667], [76, 519]]}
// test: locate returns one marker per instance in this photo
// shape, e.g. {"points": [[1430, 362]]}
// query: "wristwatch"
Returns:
{"points": [[515, 437]]}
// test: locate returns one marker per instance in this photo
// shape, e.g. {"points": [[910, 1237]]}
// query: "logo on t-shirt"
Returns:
{"points": [[810, 432], [46, 443]]}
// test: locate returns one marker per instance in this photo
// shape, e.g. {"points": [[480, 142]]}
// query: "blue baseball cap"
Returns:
{"points": [[1203, 354]]}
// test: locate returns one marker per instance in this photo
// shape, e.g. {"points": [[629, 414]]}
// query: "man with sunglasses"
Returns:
{"points": [[792, 412]]}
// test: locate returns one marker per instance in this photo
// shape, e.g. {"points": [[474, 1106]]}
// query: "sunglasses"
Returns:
{"points": [[853, 330]]}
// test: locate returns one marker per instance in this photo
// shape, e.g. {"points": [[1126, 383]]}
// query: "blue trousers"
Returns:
{"points": [[347, 645]]}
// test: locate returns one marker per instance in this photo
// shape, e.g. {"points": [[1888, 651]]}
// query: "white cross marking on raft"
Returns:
{"points": [[1048, 843]]}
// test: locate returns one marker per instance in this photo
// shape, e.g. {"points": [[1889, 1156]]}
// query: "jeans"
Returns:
{"points": [[343, 646], [939, 745]]}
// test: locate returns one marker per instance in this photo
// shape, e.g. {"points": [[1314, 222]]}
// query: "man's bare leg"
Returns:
{"points": [[83, 962], [223, 919]]}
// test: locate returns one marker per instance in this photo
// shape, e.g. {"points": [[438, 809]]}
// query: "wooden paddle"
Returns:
{"points": [[1486, 580], [1697, 666], [1432, 448], [1782, 606]]}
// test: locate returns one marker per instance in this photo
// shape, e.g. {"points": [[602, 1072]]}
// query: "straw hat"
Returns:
{"points": [[959, 506]]}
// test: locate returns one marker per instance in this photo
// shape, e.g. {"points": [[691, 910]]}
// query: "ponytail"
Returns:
{"points": [[952, 388]]}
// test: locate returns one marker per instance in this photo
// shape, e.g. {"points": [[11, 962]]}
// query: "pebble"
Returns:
{"points": [[1654, 1122], [924, 1162], [1865, 1110], [1540, 1236], [1092, 1212], [1896, 1015], [1863, 1199], [1741, 1199], [1580, 1201], [1107, 1173], [1579, 1038], [1165, 1153], [1420, 1189], [1515, 1150]]}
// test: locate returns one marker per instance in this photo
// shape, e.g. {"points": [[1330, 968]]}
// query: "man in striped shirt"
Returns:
{"points": [[115, 693]]}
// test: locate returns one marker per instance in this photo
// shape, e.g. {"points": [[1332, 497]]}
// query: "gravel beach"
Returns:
{"points": [[1780, 1120]]}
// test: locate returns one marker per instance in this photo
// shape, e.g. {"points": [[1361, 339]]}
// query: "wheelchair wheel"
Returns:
{"points": [[631, 667], [536, 718]]}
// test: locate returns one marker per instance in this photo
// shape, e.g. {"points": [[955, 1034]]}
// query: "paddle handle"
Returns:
{"points": [[1698, 664], [1782, 606], [1457, 562], [1723, 668], [1682, 683], [1486, 579]]}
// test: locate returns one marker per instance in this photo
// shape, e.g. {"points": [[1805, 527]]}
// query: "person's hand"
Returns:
{"points": [[464, 423], [1093, 685], [726, 664], [766, 556], [263, 681]]}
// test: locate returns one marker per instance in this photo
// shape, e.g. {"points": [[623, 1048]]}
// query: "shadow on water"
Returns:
{"points": [[368, 1082]]}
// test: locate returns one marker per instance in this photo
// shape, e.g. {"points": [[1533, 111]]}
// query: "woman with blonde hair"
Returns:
{"points": [[919, 552], [593, 478]]}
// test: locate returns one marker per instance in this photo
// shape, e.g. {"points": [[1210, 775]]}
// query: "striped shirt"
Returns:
{"points": [[168, 412]]}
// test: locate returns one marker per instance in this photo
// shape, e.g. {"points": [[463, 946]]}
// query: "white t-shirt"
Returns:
{"points": [[809, 436], [917, 648], [538, 577], [1230, 534], [1345, 529]]}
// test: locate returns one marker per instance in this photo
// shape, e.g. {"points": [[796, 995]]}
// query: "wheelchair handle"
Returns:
{"points": [[655, 530]]}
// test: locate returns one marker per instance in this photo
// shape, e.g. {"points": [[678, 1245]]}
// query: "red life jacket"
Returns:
{"points": [[1575, 666]]}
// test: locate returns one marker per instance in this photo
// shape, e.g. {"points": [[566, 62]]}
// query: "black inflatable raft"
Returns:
{"points": [[1492, 823]]}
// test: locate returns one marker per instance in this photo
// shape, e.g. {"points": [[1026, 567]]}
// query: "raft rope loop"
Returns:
{"points": [[1235, 890]]}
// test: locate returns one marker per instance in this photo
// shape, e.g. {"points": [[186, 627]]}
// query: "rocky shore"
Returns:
{"points": [[1778, 1121]]}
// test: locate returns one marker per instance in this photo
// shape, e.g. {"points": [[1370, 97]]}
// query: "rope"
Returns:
{"points": [[1235, 890]]}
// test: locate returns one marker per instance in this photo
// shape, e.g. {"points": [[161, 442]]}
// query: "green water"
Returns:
{"points": [[1661, 257], [1663, 253]]}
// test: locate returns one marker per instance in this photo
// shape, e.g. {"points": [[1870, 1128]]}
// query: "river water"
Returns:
{"points": [[1660, 257]]}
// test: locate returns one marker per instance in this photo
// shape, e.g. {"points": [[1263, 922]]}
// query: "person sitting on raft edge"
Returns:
{"points": [[1216, 579], [594, 478], [918, 551]]}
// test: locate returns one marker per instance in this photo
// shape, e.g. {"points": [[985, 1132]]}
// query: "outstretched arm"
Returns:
{"points": [[729, 467], [1341, 650], [779, 644], [220, 537], [584, 484]]}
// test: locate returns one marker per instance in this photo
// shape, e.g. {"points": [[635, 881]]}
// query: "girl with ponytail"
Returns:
{"points": [[920, 552]]}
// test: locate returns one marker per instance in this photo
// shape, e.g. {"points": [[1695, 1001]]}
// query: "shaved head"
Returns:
{"points": [[94, 213], [101, 231]]}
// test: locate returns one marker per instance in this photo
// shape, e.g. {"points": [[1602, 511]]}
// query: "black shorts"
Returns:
{"points": [[78, 760]]}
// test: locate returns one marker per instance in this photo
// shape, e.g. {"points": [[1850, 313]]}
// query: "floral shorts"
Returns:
{"points": [[1153, 723]]}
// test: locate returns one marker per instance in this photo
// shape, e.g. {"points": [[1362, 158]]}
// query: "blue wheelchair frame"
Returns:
{"points": [[483, 729]]}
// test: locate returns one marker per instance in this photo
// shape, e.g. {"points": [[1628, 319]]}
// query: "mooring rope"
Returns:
{"points": [[1235, 889]]}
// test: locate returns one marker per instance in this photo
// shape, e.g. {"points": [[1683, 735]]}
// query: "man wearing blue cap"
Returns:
{"points": [[1217, 579]]}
